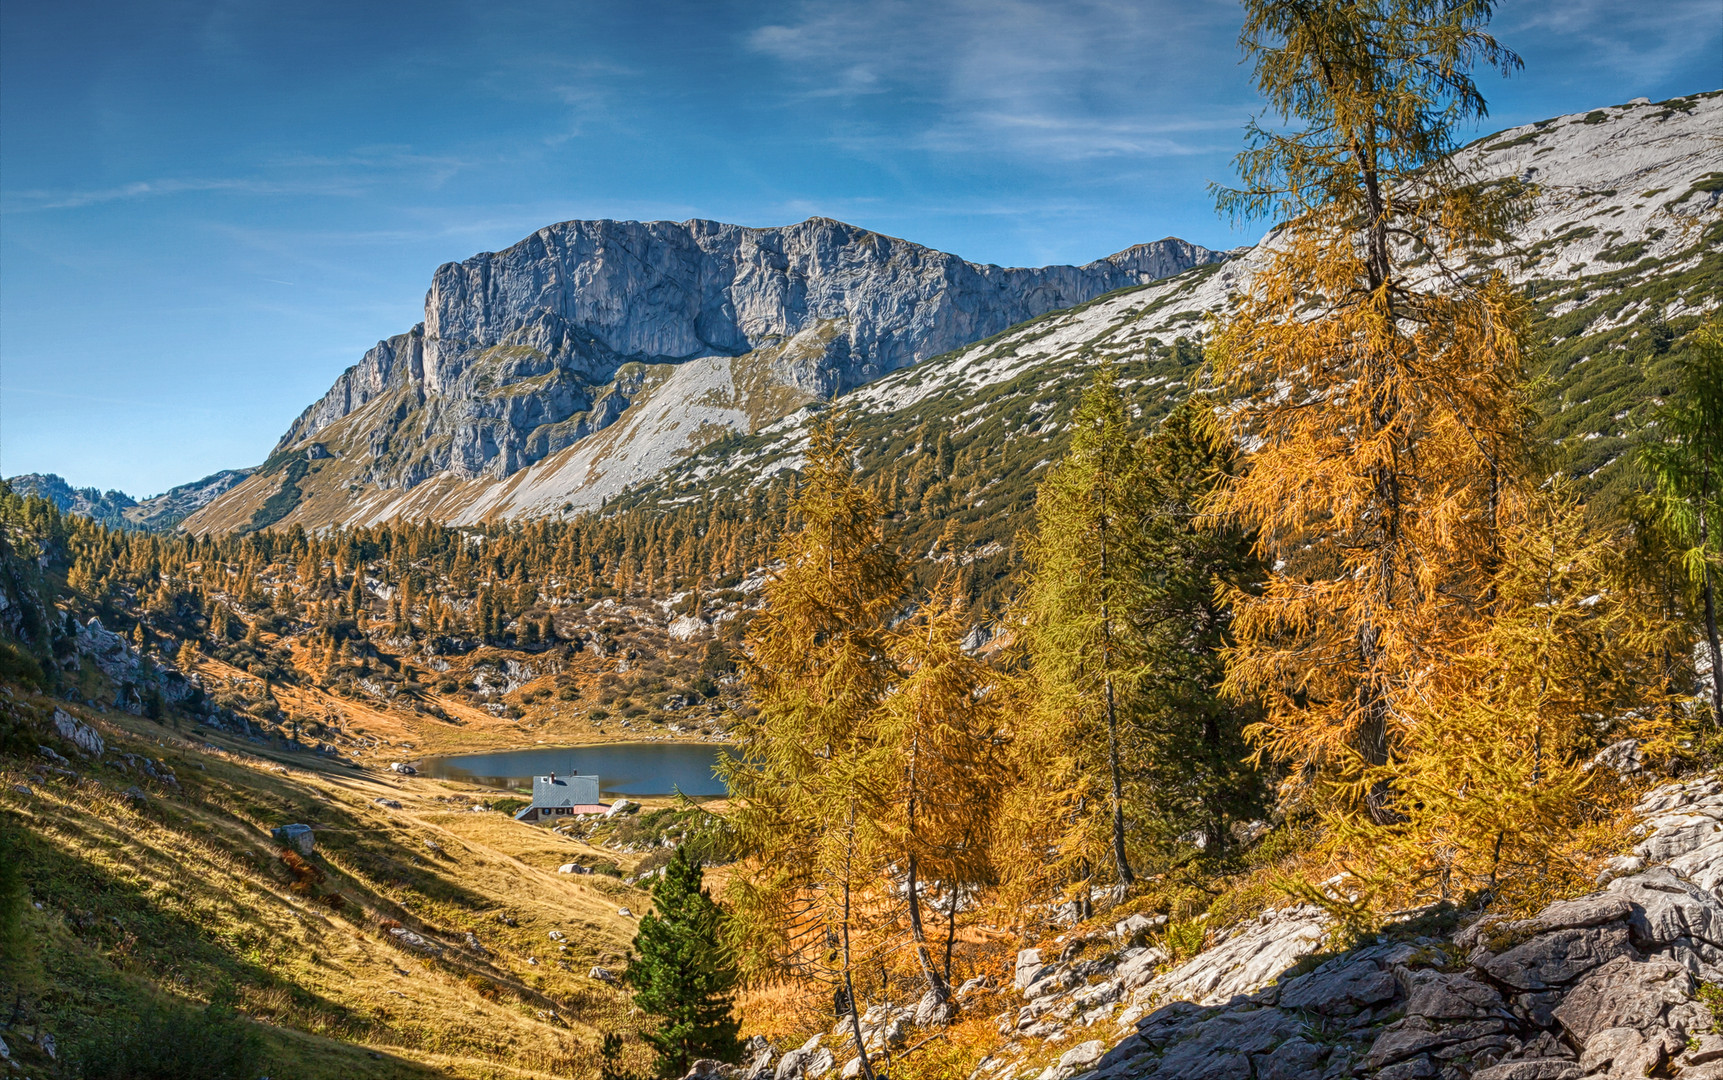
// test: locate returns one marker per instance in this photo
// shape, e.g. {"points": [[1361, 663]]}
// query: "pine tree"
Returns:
{"points": [[1085, 579], [942, 722], [1686, 463], [1192, 745], [811, 783], [681, 972]]}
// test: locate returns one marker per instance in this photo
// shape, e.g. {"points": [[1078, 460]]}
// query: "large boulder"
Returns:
{"points": [[1245, 957], [1628, 993], [297, 836], [1558, 957], [78, 733], [1341, 987]]}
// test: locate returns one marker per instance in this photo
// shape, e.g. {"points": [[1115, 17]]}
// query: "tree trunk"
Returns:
{"points": [[936, 984], [849, 984], [1120, 860], [950, 931], [1711, 621]]}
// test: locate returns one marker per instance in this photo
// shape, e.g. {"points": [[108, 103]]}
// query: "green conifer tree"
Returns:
{"points": [[1086, 577], [1687, 465], [681, 972], [1193, 745]]}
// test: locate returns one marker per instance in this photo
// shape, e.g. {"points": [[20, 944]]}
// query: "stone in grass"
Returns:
{"points": [[390, 804], [572, 868], [603, 975], [78, 733], [299, 836]]}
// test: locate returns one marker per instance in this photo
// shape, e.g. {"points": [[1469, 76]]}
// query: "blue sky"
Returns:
{"points": [[209, 208]]}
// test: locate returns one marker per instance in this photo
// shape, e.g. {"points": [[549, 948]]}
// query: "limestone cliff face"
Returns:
{"points": [[527, 351]]}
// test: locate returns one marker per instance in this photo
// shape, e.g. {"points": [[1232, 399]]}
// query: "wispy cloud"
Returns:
{"points": [[1067, 82], [73, 198], [1626, 35], [345, 175]]}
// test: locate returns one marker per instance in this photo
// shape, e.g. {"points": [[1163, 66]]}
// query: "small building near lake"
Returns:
{"points": [[556, 796]]}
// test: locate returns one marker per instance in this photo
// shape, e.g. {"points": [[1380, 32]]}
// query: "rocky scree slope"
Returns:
{"points": [[525, 355], [1618, 983], [1623, 252]]}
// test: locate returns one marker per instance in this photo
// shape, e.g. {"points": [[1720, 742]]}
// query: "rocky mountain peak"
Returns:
{"points": [[532, 352]]}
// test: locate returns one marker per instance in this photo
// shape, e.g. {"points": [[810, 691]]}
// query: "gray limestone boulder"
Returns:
{"points": [[298, 836], [1624, 1051], [1531, 1069], [1626, 993], [1224, 1045], [1029, 968], [78, 733], [1667, 908], [1558, 957], [1436, 995], [1341, 987]]}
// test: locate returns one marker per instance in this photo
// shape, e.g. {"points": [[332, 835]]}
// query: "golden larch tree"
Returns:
{"points": [[1377, 377]]}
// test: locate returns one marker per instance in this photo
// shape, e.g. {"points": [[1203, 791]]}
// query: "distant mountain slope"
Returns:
{"points": [[600, 351], [106, 507], [121, 511], [1622, 255]]}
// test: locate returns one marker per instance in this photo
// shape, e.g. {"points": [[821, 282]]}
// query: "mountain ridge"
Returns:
{"points": [[117, 509], [1616, 243], [527, 353]]}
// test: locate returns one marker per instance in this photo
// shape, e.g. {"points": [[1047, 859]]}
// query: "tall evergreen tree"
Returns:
{"points": [[942, 721], [1085, 581], [1686, 462], [812, 780], [1194, 754], [682, 973]]}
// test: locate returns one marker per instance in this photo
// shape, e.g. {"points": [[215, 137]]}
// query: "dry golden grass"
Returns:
{"points": [[188, 889]]}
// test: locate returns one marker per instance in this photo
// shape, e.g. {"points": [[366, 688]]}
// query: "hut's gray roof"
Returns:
{"points": [[564, 790]]}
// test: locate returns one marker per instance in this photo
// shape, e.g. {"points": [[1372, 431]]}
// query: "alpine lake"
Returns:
{"points": [[643, 768]]}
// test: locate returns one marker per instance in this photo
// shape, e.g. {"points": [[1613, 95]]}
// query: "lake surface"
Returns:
{"points": [[622, 768]]}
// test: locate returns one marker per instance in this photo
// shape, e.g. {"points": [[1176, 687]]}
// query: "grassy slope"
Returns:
{"points": [[186, 890]]}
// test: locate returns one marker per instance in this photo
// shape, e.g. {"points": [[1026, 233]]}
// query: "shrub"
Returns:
{"points": [[18, 666], [174, 1043], [1182, 939]]}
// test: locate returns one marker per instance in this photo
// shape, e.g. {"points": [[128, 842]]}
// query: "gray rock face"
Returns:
{"points": [[78, 733], [526, 351], [1604, 985]]}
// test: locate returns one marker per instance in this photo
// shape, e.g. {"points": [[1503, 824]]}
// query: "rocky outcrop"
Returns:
{"points": [[136, 679], [1605, 985]]}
